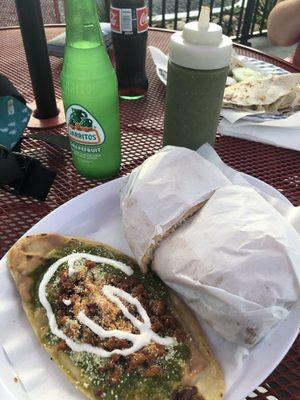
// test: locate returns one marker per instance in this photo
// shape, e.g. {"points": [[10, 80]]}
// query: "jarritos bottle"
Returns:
{"points": [[90, 94], [129, 25]]}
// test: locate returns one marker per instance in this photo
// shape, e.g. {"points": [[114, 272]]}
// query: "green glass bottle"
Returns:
{"points": [[90, 94]]}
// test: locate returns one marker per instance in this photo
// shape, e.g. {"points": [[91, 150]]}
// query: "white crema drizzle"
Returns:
{"points": [[114, 294]]}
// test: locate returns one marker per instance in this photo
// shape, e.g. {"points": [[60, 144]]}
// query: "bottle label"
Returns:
{"points": [[142, 19], [129, 21], [115, 19], [83, 129]]}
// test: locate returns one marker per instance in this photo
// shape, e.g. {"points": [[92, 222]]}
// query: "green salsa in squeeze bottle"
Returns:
{"points": [[90, 94], [197, 72]]}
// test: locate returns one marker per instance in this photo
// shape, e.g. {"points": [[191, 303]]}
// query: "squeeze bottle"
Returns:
{"points": [[197, 71]]}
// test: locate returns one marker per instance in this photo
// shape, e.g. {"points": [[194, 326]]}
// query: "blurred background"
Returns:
{"points": [[244, 20]]}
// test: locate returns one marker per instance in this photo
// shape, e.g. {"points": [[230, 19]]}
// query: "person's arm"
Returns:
{"points": [[284, 23]]}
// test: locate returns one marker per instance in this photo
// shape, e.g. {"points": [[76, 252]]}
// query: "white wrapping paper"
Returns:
{"points": [[283, 132], [161, 190], [239, 238], [273, 196], [236, 263]]}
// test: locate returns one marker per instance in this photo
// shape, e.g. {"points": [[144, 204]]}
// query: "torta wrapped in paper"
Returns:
{"points": [[236, 263], [234, 259], [167, 188]]}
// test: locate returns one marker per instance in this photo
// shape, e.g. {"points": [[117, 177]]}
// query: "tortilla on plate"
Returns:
{"points": [[115, 332]]}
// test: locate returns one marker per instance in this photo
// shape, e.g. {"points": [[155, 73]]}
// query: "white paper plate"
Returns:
{"points": [[96, 215], [265, 68], [162, 74]]}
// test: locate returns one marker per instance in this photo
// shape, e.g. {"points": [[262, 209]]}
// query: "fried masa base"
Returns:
{"points": [[29, 253]]}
